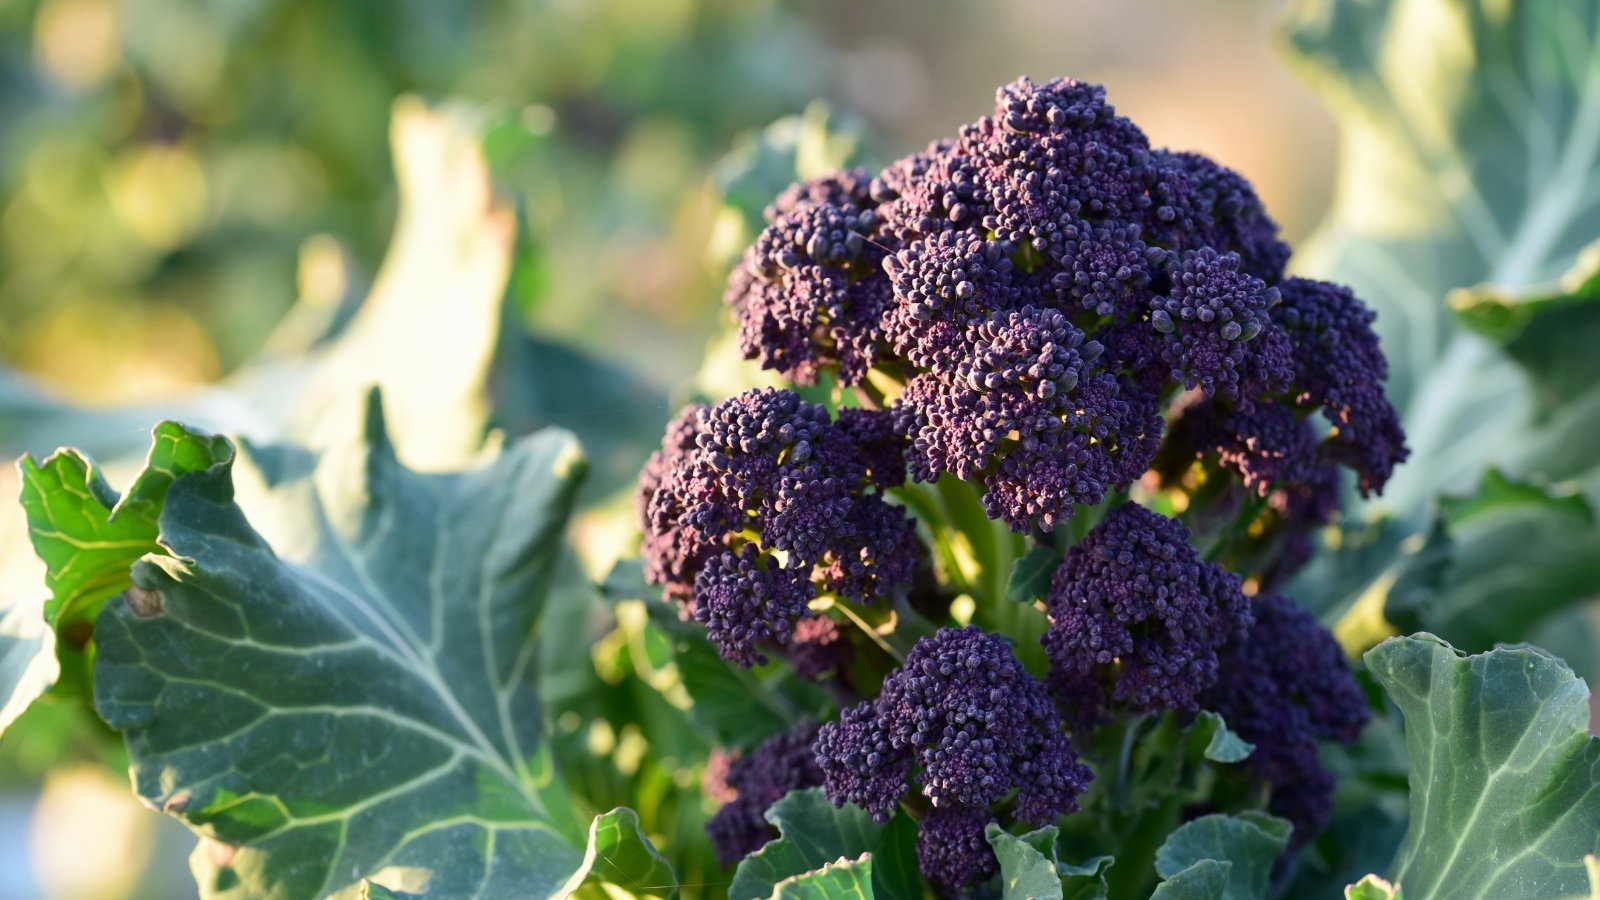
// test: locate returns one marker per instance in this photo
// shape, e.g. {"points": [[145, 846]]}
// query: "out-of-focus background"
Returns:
{"points": [[165, 166]]}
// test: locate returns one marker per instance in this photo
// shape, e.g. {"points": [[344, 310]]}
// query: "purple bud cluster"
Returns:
{"points": [[1042, 286], [752, 505], [1137, 618], [751, 783], [1284, 686], [974, 729]]}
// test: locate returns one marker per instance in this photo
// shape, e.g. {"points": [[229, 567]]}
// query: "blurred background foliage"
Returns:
{"points": [[174, 174]]}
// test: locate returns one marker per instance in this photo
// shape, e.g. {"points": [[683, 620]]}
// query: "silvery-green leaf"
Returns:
{"points": [[1206, 879], [1505, 779], [330, 674], [844, 879], [1250, 842]]}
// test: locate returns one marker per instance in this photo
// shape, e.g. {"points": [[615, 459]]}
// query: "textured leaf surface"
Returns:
{"points": [[1030, 579], [341, 685], [1027, 863], [619, 854], [1505, 779], [1470, 148], [1205, 880], [1498, 562], [1249, 842], [813, 833], [842, 880], [448, 266]]}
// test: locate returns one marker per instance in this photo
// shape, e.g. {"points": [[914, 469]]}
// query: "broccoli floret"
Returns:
{"points": [[768, 501], [1284, 686], [1137, 618], [963, 718], [1339, 367], [952, 850], [749, 784]]}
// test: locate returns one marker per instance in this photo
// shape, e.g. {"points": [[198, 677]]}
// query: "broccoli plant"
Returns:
{"points": [[1059, 380], [1050, 536]]}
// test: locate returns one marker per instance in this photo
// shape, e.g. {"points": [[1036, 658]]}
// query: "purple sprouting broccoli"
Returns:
{"points": [[1199, 203], [973, 728], [1137, 618], [1284, 686], [1208, 321], [1340, 368], [817, 648], [809, 293], [753, 782], [754, 504], [952, 851], [1047, 279]]}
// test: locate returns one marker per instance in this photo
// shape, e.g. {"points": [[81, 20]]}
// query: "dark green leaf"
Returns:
{"points": [[1250, 841], [1085, 882], [1030, 579], [1505, 795], [1205, 880], [813, 832], [841, 880], [342, 684]]}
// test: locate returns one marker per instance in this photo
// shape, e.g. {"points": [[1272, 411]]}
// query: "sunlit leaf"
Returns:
{"points": [[332, 675]]}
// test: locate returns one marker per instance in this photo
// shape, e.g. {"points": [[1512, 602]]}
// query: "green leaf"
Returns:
{"points": [[621, 856], [1470, 147], [331, 677], [1510, 539], [1224, 746], [1372, 888], [838, 880], [1505, 779], [813, 832], [1085, 882], [88, 536], [1205, 880], [1027, 863], [1030, 578], [1250, 841], [448, 265]]}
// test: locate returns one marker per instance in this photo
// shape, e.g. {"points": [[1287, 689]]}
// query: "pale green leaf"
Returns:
{"points": [[1372, 888], [332, 676], [844, 879], [1027, 863], [1505, 779], [1224, 746], [620, 857]]}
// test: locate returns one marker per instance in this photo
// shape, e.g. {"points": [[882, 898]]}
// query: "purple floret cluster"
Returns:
{"points": [[1051, 318], [1042, 286], [749, 784], [1285, 686], [1137, 618], [753, 505], [964, 720]]}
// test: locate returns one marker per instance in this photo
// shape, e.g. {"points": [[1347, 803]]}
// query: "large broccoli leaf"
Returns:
{"points": [[330, 673], [1470, 138], [814, 833], [1505, 779], [1247, 844]]}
